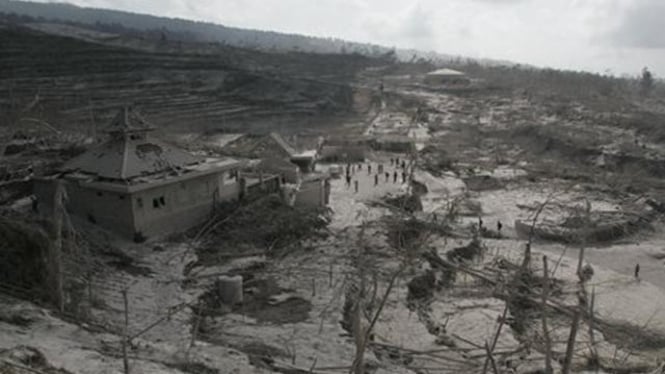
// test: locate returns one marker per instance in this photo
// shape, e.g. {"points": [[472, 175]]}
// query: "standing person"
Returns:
{"points": [[403, 177], [348, 180], [403, 164], [387, 177], [499, 226], [369, 169], [376, 179], [480, 223], [395, 176], [637, 271], [355, 185], [34, 203]]}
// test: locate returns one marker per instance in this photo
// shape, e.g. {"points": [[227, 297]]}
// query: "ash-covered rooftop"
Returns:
{"points": [[446, 72], [130, 152]]}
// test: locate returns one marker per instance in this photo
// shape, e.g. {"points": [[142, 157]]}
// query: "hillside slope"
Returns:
{"points": [[79, 83], [183, 30]]}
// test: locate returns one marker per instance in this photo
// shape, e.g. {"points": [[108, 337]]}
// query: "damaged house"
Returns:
{"points": [[139, 186], [345, 149], [272, 154]]}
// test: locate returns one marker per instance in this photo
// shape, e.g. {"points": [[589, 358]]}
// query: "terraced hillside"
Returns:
{"points": [[77, 84]]}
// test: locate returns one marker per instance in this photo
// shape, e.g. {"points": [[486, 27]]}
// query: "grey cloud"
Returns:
{"points": [[418, 24], [641, 26], [411, 27], [500, 2]]}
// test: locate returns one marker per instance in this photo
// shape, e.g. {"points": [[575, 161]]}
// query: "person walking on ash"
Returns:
{"points": [[637, 272]]}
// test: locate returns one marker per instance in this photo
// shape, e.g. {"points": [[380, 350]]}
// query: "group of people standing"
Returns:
{"points": [[380, 171], [481, 226]]}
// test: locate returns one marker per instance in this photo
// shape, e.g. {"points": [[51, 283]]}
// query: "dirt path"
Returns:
{"points": [[349, 206]]}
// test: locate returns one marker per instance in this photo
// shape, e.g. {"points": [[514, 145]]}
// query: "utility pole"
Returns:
{"points": [[55, 255], [582, 296], [125, 360], [546, 332], [92, 121]]}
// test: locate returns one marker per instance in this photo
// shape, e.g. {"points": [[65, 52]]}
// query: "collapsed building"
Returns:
{"points": [[272, 154], [271, 146], [139, 186]]}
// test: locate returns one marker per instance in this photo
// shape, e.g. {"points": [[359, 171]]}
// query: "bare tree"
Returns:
{"points": [[646, 82], [582, 294], [546, 332], [55, 253]]}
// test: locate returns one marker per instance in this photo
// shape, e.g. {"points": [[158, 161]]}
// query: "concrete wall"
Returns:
{"points": [[287, 170], [179, 206], [342, 153], [165, 209], [313, 193], [255, 189], [107, 209]]}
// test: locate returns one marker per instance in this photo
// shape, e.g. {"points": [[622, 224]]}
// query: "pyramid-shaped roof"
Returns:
{"points": [[130, 152]]}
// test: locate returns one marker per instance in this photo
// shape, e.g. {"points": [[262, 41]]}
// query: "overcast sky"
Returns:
{"points": [[617, 36]]}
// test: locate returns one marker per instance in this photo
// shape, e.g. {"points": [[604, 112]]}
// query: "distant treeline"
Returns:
{"points": [[175, 29], [501, 75], [557, 84]]}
